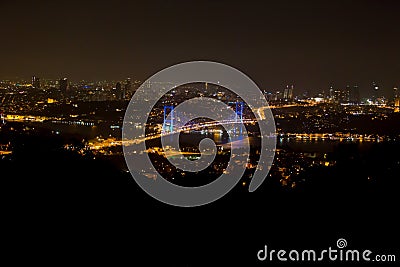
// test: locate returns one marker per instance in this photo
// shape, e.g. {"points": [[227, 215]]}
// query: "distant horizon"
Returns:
{"points": [[386, 90], [311, 44]]}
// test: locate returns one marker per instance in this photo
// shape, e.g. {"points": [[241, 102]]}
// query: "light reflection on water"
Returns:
{"points": [[192, 139]]}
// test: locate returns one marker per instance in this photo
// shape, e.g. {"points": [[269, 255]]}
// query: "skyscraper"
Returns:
{"points": [[337, 96], [35, 82], [63, 83], [355, 95], [127, 87], [396, 99], [331, 92], [395, 92], [118, 91], [288, 92], [346, 94], [397, 104], [375, 88]]}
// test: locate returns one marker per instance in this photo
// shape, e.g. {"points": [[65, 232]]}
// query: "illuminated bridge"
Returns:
{"points": [[169, 129]]}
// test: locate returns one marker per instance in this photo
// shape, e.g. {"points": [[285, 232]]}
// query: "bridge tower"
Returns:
{"points": [[239, 115], [239, 112], [168, 124]]}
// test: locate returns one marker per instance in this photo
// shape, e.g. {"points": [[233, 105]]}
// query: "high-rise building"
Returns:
{"points": [[396, 99], [395, 92], [35, 82], [346, 94], [397, 104], [337, 96], [331, 90], [290, 95], [127, 87], [375, 88], [63, 85], [355, 95], [288, 92], [118, 91], [279, 95]]}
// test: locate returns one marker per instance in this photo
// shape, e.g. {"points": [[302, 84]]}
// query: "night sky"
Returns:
{"points": [[311, 44]]}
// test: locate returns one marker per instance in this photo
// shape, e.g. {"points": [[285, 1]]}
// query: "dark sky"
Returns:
{"points": [[309, 43]]}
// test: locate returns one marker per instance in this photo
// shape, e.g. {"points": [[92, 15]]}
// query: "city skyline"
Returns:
{"points": [[373, 90]]}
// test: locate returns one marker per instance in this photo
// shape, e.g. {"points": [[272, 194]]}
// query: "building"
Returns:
{"points": [[127, 87], [375, 88], [337, 96], [346, 95], [278, 96], [355, 95], [331, 90], [288, 93], [118, 91], [397, 104], [35, 82], [63, 85]]}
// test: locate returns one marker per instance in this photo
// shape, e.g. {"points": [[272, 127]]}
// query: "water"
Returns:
{"points": [[193, 139], [86, 132], [318, 146]]}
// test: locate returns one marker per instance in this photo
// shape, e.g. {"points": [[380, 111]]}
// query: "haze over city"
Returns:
{"points": [[312, 44]]}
